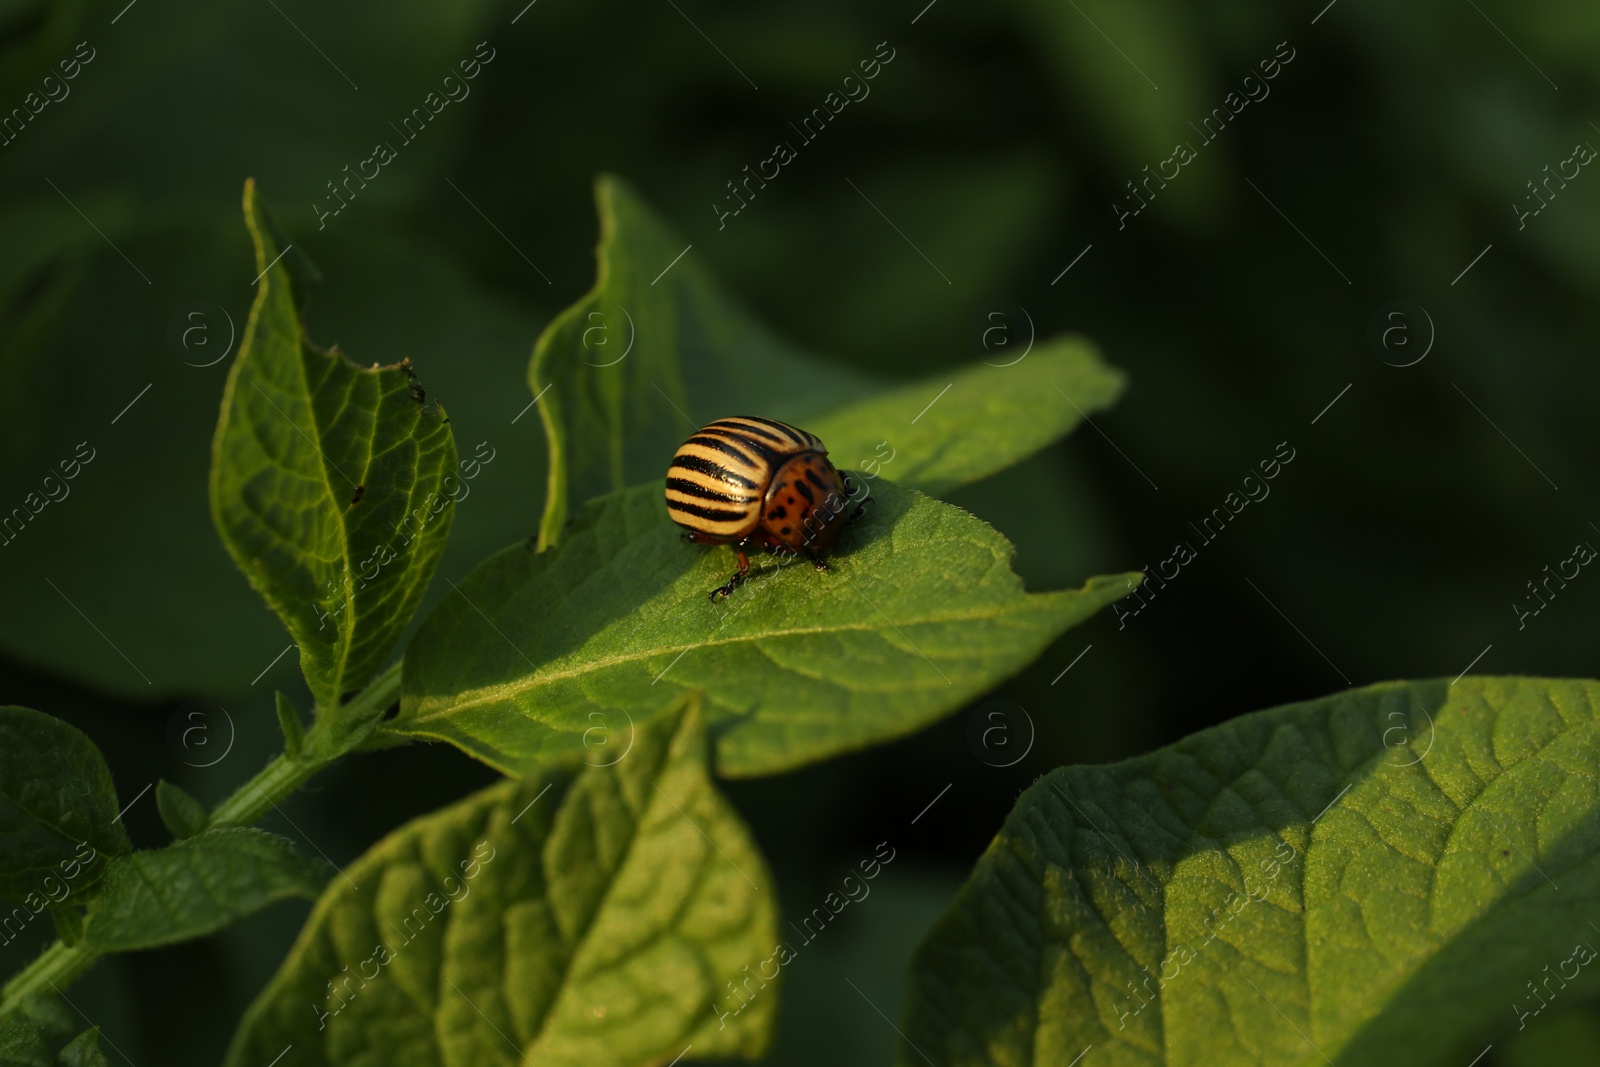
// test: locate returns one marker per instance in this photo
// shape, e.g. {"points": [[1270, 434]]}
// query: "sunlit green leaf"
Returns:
{"points": [[330, 483], [592, 915], [949, 430], [1391, 875], [540, 652]]}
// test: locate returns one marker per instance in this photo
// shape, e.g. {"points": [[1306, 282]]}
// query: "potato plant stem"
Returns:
{"points": [[327, 740], [285, 774], [250, 801], [57, 966]]}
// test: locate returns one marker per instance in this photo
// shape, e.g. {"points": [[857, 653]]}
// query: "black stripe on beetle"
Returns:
{"points": [[745, 428], [712, 514], [766, 452], [798, 436], [751, 459], [705, 492], [702, 465]]}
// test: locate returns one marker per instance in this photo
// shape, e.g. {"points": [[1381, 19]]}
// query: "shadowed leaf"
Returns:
{"points": [[182, 814], [58, 809], [198, 885], [84, 1051], [36, 1036]]}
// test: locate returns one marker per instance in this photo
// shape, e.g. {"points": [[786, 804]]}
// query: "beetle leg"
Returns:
{"points": [[739, 575], [850, 491]]}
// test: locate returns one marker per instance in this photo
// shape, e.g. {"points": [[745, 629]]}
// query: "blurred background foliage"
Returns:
{"points": [[996, 141]]}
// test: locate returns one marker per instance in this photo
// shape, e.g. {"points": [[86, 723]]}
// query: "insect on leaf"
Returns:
{"points": [[535, 653], [1389, 875], [623, 374], [330, 482], [590, 916]]}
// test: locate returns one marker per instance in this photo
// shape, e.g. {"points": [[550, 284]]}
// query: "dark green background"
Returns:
{"points": [[1397, 141]]}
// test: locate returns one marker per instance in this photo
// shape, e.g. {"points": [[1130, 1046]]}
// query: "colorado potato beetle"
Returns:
{"points": [[748, 480]]}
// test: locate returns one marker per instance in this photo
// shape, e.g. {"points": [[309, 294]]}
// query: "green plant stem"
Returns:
{"points": [[250, 801], [331, 737], [284, 775], [56, 966]]}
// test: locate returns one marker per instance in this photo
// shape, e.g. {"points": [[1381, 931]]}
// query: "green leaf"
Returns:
{"points": [[329, 483], [163, 613], [593, 915], [653, 352], [294, 735], [48, 1012], [1369, 878], [196, 886], [33, 1035], [958, 427], [84, 1051], [25, 1044], [183, 815], [58, 809], [537, 652]]}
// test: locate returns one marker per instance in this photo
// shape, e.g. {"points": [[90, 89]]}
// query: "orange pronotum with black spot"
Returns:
{"points": [[748, 480]]}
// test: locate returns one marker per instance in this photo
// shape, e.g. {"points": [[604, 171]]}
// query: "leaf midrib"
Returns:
{"points": [[582, 937], [347, 631], [490, 694], [271, 273]]}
